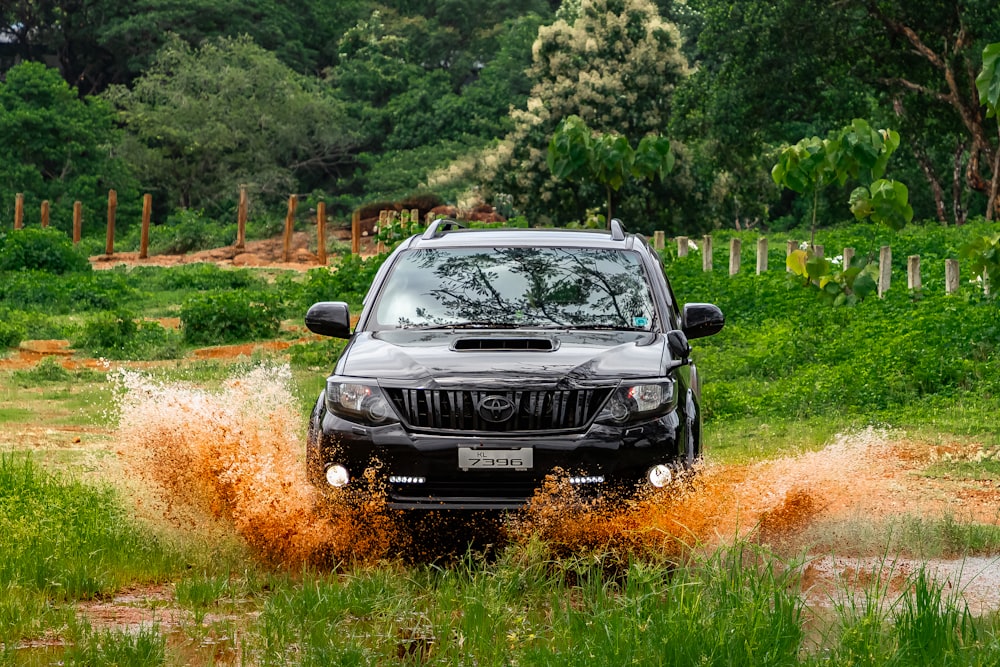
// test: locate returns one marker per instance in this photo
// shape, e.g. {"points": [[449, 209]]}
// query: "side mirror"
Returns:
{"points": [[701, 319], [329, 318], [677, 343]]}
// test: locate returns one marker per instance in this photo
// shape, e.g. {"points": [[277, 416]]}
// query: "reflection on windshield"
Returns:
{"points": [[523, 287]]}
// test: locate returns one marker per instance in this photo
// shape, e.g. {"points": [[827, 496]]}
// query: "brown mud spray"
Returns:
{"points": [[236, 455]]}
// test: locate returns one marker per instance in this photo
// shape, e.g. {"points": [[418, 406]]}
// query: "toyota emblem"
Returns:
{"points": [[496, 409]]}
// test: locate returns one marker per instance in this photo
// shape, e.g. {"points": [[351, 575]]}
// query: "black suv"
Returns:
{"points": [[485, 359]]}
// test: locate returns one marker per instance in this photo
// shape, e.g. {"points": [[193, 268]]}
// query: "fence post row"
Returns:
{"points": [[387, 218]]}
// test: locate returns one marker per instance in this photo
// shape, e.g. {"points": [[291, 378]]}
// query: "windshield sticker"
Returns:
{"points": [[640, 321]]}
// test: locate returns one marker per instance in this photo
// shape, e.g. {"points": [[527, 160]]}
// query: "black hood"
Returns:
{"points": [[442, 359]]}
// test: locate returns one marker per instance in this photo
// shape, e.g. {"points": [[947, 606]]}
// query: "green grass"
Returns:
{"points": [[786, 375], [64, 540]]}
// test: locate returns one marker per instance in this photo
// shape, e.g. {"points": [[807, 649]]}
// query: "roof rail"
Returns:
{"points": [[439, 226], [617, 230]]}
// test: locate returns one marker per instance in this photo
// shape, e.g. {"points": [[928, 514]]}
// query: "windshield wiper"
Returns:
{"points": [[608, 327], [471, 324]]}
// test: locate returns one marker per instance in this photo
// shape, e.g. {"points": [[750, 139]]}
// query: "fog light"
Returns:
{"points": [[660, 475], [337, 476]]}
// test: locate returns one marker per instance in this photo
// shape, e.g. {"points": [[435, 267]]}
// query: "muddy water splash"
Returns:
{"points": [[235, 455], [772, 501]]}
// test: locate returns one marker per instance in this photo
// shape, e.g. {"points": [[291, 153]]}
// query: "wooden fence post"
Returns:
{"points": [[682, 246], [848, 256], [913, 272], [761, 255], [321, 232], [383, 220], [77, 221], [45, 214], [818, 250], [242, 210], [147, 214], [884, 270], [286, 253], [19, 210], [109, 240], [356, 232], [659, 240], [706, 253], [791, 245], [950, 276], [735, 247]]}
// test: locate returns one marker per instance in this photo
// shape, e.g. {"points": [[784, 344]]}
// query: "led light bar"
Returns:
{"points": [[402, 479], [593, 479]]}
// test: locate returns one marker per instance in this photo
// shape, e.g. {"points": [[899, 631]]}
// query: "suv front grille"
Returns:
{"points": [[483, 410]]}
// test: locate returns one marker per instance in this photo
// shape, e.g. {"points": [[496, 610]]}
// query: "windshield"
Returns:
{"points": [[516, 287]]}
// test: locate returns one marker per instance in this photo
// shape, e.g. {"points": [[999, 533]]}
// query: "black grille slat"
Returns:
{"points": [[533, 410]]}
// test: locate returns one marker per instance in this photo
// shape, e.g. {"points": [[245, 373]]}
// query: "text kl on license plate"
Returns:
{"points": [[493, 459]]}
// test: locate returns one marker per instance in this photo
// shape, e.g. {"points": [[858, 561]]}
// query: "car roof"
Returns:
{"points": [[448, 236]]}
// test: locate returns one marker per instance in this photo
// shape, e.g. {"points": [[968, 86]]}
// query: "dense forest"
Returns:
{"points": [[456, 101]]}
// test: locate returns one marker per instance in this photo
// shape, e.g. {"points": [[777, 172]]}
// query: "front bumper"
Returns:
{"points": [[421, 470]]}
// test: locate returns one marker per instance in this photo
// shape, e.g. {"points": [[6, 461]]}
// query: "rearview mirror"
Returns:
{"points": [[701, 319], [677, 342], [329, 318]]}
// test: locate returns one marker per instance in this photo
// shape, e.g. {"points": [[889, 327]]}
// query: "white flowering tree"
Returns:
{"points": [[613, 63]]}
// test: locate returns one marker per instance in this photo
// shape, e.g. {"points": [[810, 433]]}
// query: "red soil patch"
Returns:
{"points": [[264, 253]]}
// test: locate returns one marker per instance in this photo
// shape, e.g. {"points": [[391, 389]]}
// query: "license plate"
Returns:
{"points": [[495, 459]]}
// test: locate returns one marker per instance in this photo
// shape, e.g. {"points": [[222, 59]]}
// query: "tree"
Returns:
{"points": [[103, 42], [614, 64], [577, 153], [200, 122], [988, 86], [56, 146], [777, 69]]}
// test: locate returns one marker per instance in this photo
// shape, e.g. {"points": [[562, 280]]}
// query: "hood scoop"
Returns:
{"points": [[494, 343]]}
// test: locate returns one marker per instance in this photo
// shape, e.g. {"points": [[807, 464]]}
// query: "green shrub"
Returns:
{"points": [[230, 317], [12, 329], [319, 354], [58, 294], [348, 281], [48, 370], [187, 231], [118, 335], [40, 249], [202, 276]]}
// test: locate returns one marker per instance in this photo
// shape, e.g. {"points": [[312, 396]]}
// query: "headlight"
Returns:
{"points": [[358, 401], [639, 400]]}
